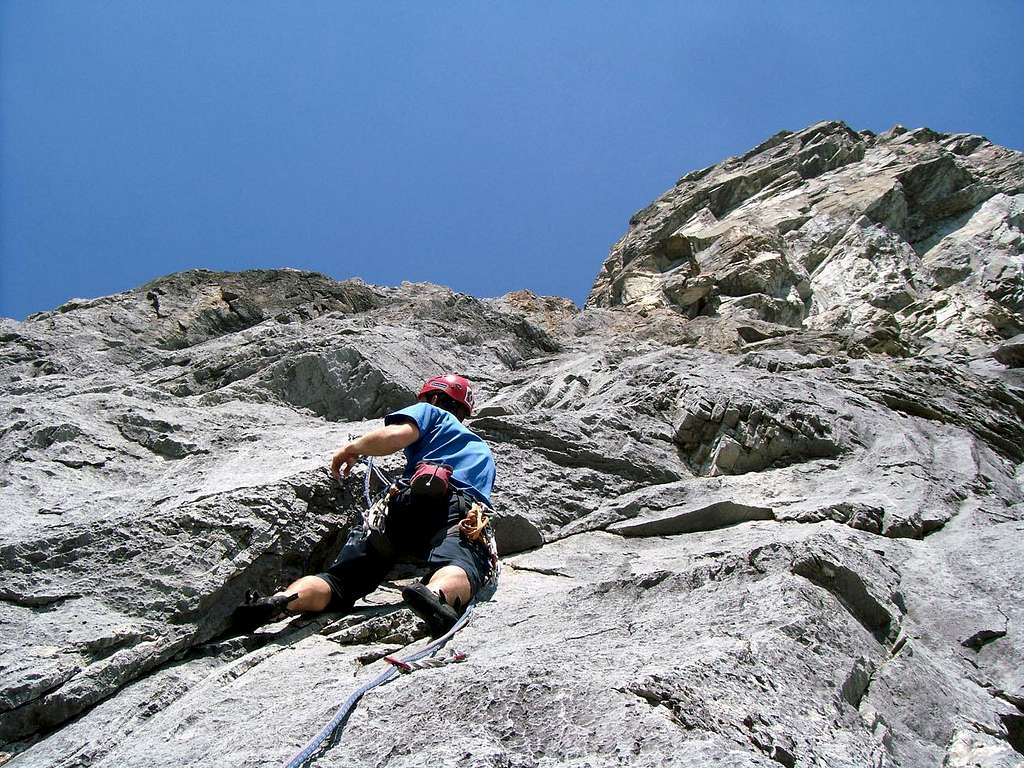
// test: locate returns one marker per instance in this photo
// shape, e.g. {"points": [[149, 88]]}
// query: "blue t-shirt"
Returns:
{"points": [[444, 440]]}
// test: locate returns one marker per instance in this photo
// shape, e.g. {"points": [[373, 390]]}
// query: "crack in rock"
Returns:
{"points": [[854, 593], [982, 637], [721, 514]]}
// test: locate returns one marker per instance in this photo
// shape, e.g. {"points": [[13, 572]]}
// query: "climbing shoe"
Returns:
{"points": [[433, 609], [257, 610]]}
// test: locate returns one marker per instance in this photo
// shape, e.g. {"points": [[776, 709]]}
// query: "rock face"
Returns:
{"points": [[760, 502], [903, 242]]}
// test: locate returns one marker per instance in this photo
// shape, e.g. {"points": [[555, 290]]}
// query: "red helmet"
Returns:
{"points": [[456, 387]]}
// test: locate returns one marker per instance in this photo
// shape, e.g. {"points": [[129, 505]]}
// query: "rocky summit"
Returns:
{"points": [[759, 503]]}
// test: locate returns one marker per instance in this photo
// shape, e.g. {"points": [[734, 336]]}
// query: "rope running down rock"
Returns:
{"points": [[307, 753]]}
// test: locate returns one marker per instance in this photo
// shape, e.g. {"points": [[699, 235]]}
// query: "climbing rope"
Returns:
{"points": [[374, 470], [337, 722]]}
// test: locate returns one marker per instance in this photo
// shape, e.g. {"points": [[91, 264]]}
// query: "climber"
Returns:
{"points": [[448, 470]]}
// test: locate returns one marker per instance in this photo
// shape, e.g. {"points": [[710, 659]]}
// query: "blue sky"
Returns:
{"points": [[489, 146]]}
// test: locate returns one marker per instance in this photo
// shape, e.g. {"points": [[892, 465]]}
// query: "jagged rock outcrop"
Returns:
{"points": [[902, 242], [760, 502]]}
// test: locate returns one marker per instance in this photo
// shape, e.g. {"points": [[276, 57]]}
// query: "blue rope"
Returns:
{"points": [[338, 721]]}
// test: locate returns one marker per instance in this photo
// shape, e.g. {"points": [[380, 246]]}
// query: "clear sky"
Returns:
{"points": [[488, 146]]}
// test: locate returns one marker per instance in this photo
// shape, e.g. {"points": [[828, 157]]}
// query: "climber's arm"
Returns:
{"points": [[380, 442]]}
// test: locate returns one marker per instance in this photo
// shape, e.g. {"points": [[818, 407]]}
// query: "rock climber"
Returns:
{"points": [[433, 513]]}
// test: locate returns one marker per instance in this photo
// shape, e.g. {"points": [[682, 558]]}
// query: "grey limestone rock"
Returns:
{"points": [[759, 503], [899, 242], [1011, 352]]}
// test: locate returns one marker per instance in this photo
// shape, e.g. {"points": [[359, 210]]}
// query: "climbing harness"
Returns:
{"points": [[337, 722], [475, 526]]}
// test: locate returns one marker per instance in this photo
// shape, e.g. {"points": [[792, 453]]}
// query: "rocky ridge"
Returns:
{"points": [[767, 506], [904, 242]]}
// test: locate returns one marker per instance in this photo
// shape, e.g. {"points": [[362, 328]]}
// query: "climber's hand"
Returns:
{"points": [[347, 456]]}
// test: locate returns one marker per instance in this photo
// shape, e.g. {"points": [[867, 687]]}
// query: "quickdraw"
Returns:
{"points": [[476, 526], [377, 513], [474, 523], [406, 667]]}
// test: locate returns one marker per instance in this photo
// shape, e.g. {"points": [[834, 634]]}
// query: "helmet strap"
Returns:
{"points": [[447, 403]]}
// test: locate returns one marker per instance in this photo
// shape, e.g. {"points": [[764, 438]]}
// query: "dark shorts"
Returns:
{"points": [[416, 528]]}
